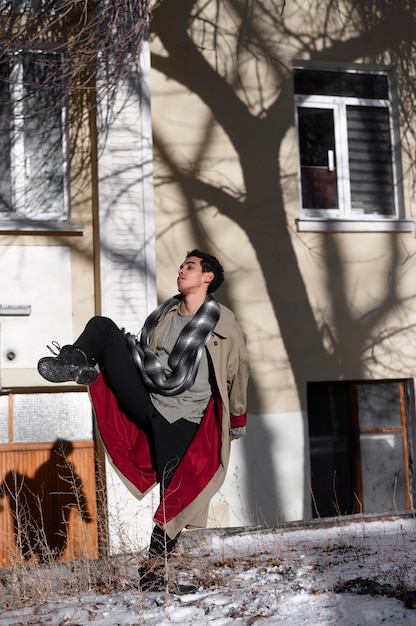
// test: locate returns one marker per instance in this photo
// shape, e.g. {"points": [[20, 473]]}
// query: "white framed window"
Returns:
{"points": [[33, 139], [349, 149]]}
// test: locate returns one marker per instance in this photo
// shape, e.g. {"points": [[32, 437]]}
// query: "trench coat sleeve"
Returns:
{"points": [[227, 348], [237, 378]]}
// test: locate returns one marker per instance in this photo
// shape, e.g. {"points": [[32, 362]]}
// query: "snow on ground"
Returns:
{"points": [[357, 574]]}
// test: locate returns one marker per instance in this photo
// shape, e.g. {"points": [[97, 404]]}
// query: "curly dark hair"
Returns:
{"points": [[209, 263]]}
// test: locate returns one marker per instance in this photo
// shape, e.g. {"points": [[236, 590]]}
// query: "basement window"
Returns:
{"points": [[361, 436]]}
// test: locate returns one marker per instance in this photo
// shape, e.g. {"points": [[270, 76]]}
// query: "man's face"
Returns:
{"points": [[191, 278]]}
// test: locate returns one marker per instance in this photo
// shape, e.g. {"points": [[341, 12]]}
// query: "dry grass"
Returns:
{"points": [[36, 572], [30, 581]]}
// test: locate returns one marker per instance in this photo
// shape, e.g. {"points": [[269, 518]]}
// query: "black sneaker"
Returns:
{"points": [[154, 580], [69, 364], [184, 588]]}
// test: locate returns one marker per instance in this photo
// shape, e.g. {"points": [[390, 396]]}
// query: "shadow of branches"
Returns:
{"points": [[236, 57]]}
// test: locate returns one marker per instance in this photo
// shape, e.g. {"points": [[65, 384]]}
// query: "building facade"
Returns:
{"points": [[76, 239], [280, 139], [284, 143]]}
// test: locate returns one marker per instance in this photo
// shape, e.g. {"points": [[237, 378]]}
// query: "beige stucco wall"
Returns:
{"points": [[349, 278], [315, 306]]}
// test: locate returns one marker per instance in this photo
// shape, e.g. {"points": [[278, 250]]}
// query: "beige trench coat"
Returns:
{"points": [[227, 350]]}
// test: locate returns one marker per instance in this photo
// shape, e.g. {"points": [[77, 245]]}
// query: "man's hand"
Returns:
{"points": [[238, 432]]}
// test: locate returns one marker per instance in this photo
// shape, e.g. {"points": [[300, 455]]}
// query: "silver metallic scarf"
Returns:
{"points": [[187, 351]]}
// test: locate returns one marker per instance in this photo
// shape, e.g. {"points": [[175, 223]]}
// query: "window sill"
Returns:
{"points": [[324, 225], [39, 227]]}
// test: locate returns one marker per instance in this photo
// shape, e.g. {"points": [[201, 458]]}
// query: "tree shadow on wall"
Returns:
{"points": [[209, 50]]}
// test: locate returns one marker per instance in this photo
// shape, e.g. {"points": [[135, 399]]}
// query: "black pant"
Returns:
{"points": [[103, 342]]}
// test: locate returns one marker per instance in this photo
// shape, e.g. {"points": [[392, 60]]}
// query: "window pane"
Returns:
{"points": [[317, 158], [344, 84], [4, 419], [370, 160], [5, 139], [50, 416], [379, 406], [384, 487], [43, 135], [328, 420]]}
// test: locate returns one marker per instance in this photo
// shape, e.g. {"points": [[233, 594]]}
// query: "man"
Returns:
{"points": [[167, 405]]}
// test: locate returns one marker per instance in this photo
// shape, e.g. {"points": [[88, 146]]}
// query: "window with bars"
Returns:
{"points": [[34, 145], [348, 145]]}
